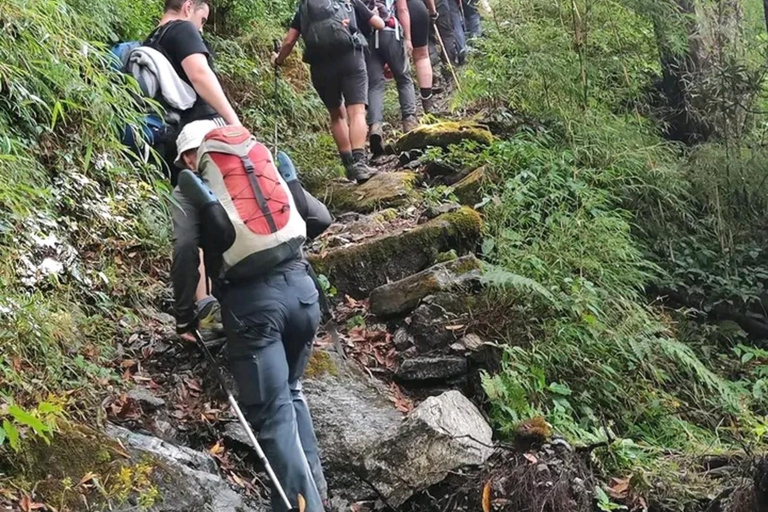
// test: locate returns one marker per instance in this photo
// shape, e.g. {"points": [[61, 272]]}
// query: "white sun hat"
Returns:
{"points": [[191, 137]]}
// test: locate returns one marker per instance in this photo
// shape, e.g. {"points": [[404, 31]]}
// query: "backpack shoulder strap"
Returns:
{"points": [[160, 32]]}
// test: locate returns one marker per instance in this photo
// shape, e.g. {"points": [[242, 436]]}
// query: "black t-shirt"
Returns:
{"points": [[180, 40]]}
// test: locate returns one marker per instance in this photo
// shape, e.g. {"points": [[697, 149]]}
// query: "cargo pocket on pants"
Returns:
{"points": [[310, 311]]}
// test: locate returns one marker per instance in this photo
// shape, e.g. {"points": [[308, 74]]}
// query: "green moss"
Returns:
{"points": [[444, 134], [356, 270], [384, 190], [55, 469], [444, 257], [320, 363]]}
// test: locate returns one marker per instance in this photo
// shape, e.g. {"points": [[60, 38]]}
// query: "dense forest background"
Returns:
{"points": [[624, 221]]}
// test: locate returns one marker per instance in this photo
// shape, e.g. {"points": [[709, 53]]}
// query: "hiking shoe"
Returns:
{"points": [[410, 123], [359, 172], [209, 315], [428, 104], [376, 139]]}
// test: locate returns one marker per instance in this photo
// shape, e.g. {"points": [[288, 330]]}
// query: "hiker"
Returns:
{"points": [[457, 18], [335, 52], [269, 301], [472, 22], [444, 27], [389, 47], [179, 38], [423, 16]]}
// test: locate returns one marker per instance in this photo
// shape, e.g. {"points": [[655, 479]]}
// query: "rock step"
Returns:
{"points": [[468, 189], [404, 295], [190, 480], [442, 135], [357, 270], [384, 190]]}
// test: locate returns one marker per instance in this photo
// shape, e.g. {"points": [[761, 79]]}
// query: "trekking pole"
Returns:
{"points": [[248, 430], [447, 57], [276, 47]]}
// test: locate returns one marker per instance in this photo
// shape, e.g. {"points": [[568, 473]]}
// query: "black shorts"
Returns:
{"points": [[419, 23], [345, 79]]}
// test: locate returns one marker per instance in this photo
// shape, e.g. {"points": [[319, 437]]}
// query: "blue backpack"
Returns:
{"points": [[153, 129]]}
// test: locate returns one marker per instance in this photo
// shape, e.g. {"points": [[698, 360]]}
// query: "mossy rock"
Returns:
{"points": [[443, 135], [359, 269], [404, 295], [468, 190], [76, 451], [384, 190], [320, 363]]}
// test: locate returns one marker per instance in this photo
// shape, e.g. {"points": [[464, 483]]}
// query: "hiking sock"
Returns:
{"points": [[426, 92], [347, 158]]}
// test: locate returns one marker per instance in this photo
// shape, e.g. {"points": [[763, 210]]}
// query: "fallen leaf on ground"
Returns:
{"points": [[620, 488], [217, 448], [530, 458], [487, 497]]}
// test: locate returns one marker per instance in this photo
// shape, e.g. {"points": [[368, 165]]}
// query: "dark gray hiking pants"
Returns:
{"points": [[389, 50], [270, 325], [446, 27]]}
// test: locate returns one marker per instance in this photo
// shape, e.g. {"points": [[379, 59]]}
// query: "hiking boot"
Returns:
{"points": [[209, 315], [428, 104], [410, 123], [376, 139], [359, 172]]}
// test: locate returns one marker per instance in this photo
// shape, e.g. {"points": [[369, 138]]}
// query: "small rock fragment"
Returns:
{"points": [[146, 399]]}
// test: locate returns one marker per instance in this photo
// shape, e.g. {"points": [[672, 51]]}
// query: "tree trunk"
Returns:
{"points": [[765, 12]]}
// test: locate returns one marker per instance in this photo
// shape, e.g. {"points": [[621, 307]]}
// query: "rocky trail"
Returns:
{"points": [[397, 413], [398, 407]]}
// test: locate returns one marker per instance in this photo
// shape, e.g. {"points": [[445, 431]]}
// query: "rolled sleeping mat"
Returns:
{"points": [[194, 189], [312, 210], [217, 230]]}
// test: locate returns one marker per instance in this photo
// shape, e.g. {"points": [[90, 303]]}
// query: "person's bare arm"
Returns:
{"points": [[431, 6], [404, 17], [376, 22], [207, 85], [288, 43]]}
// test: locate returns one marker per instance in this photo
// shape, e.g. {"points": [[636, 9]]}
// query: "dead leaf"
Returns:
{"points": [[487, 497], [454, 327], [27, 505], [88, 477], [530, 458], [402, 403], [216, 449], [620, 488]]}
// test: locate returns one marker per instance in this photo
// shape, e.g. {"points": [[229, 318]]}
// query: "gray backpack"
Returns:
{"points": [[322, 27]]}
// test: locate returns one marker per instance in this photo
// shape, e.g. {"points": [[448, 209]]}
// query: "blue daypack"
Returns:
{"points": [[153, 128]]}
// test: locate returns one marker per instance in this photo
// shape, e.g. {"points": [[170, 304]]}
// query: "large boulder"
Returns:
{"points": [[383, 190], [442, 135], [352, 414], [358, 269], [188, 480], [443, 434], [404, 295]]}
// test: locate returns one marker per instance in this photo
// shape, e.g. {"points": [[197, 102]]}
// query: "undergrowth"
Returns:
{"points": [[592, 217]]}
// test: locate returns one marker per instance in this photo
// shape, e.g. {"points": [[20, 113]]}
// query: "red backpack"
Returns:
{"points": [[267, 226]]}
